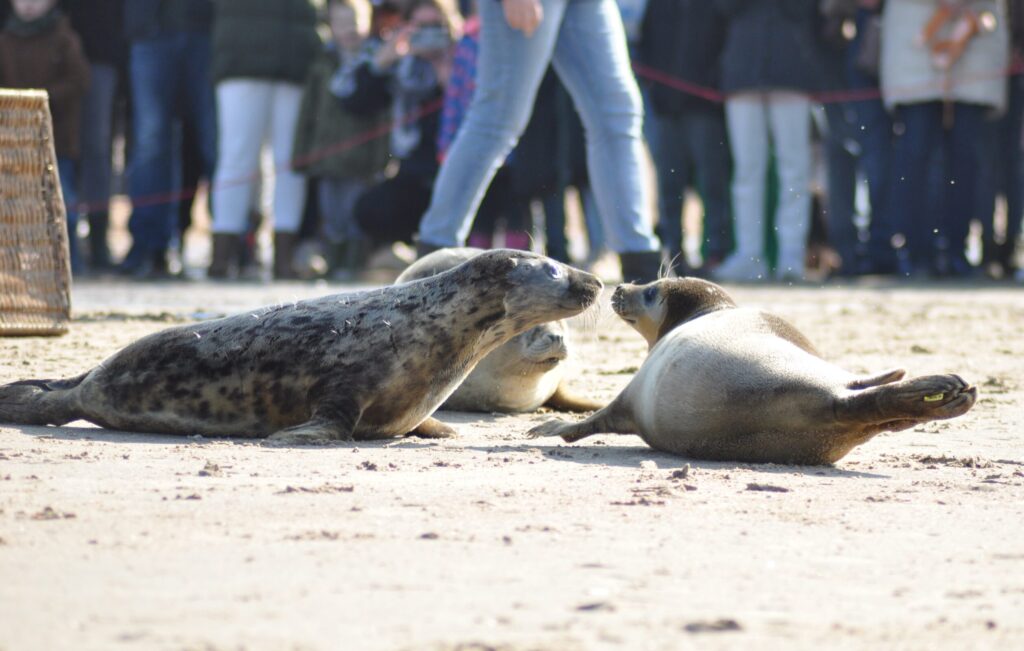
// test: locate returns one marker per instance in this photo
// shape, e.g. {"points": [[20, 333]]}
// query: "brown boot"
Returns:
{"points": [[284, 253], [226, 249]]}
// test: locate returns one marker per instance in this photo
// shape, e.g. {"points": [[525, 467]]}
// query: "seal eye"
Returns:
{"points": [[553, 271], [650, 294]]}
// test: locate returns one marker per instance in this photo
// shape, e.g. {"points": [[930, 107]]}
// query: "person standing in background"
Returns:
{"points": [[262, 52], [329, 143], [169, 71], [99, 25], [38, 49], [769, 69], [684, 39], [586, 43], [943, 70]]}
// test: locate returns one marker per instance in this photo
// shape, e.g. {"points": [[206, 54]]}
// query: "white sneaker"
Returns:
{"points": [[741, 269]]}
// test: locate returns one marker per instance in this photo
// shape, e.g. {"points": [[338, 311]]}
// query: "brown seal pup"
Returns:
{"points": [[360, 365], [726, 383], [522, 374]]}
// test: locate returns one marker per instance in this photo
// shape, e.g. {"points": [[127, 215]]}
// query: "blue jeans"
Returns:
{"points": [[693, 150], [66, 171], [584, 40], [945, 223], [170, 75]]}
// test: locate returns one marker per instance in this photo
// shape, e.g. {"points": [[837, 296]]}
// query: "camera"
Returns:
{"points": [[430, 38]]}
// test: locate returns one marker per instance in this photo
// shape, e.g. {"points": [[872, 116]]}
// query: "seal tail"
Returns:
{"points": [[39, 402]]}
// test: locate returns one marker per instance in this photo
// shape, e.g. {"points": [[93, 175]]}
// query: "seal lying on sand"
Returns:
{"points": [[726, 383], [359, 365], [520, 375]]}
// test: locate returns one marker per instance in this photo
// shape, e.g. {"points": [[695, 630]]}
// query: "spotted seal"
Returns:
{"points": [[726, 383], [521, 375], [359, 365]]}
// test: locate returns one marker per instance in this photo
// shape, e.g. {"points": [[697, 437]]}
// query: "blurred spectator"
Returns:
{"points": [[99, 25], [262, 53], [1002, 171], [169, 70], [344, 151], [684, 39], [408, 73], [586, 43], [769, 68], [943, 69], [38, 49]]}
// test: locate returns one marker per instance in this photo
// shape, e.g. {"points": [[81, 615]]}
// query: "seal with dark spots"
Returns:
{"points": [[727, 383], [346, 366], [521, 375]]}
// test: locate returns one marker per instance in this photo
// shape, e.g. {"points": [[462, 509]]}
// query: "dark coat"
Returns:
{"points": [[771, 45], [52, 60], [324, 124], [99, 23], [264, 39], [683, 39], [146, 19]]}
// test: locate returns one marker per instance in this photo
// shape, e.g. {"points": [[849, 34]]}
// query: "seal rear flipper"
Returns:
{"points": [[921, 399], [39, 402], [563, 399]]}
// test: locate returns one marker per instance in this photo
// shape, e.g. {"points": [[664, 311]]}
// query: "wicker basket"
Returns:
{"points": [[35, 272]]}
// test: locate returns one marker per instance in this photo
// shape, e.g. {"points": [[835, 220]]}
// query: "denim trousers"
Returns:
{"points": [[923, 145], [66, 172], [585, 42], [693, 150], [249, 112], [170, 76], [95, 163]]}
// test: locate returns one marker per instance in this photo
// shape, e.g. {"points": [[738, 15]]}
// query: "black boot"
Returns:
{"points": [[640, 267], [284, 252], [227, 249], [99, 250]]}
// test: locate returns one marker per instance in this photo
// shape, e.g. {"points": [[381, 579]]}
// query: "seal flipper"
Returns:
{"points": [[885, 377], [333, 420], [610, 420], [39, 402], [921, 399], [432, 428], [565, 400]]}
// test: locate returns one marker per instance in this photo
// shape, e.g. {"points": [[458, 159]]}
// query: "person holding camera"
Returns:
{"points": [[408, 72], [586, 42]]}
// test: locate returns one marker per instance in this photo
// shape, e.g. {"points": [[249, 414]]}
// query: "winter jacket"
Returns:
{"points": [[264, 39], [907, 72], [682, 39], [361, 142], [49, 56], [770, 45]]}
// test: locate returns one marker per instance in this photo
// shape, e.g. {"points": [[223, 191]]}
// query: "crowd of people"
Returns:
{"points": [[831, 137]]}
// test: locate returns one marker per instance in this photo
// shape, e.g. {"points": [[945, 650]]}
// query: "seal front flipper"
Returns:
{"points": [[333, 420], [564, 399], [610, 420], [432, 428]]}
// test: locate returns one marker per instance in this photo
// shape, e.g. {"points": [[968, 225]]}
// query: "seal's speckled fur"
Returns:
{"points": [[358, 365], [522, 374]]}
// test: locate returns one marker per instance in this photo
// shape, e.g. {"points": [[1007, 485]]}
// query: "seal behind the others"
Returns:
{"points": [[727, 383], [521, 375], [359, 365]]}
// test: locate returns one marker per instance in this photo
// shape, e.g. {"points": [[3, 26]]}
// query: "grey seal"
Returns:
{"points": [[523, 374], [358, 365], [722, 382]]}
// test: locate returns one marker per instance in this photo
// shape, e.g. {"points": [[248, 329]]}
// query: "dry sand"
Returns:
{"points": [[490, 541]]}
